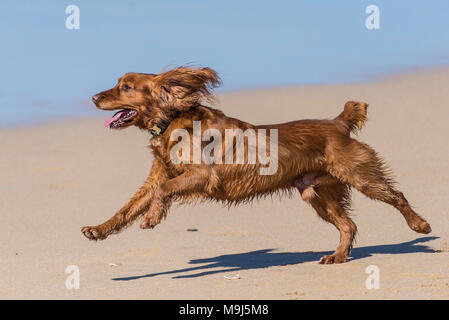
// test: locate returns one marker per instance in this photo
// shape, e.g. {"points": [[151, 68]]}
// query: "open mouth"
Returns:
{"points": [[120, 118]]}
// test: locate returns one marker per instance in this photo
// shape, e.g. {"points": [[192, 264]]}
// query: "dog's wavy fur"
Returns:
{"points": [[319, 158]]}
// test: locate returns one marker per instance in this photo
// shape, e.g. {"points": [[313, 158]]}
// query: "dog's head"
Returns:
{"points": [[145, 100]]}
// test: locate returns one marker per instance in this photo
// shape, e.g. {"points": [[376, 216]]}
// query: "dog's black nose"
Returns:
{"points": [[96, 97]]}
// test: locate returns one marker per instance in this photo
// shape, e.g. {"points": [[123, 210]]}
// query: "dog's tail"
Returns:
{"points": [[354, 116]]}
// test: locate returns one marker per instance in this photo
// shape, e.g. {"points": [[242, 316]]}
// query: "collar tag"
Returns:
{"points": [[155, 130]]}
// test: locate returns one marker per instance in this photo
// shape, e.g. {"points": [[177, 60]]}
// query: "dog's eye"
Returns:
{"points": [[126, 87]]}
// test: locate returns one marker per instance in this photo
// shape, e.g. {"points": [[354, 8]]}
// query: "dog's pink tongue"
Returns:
{"points": [[114, 118]]}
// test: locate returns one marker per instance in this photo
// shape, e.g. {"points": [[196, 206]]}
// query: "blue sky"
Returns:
{"points": [[49, 70]]}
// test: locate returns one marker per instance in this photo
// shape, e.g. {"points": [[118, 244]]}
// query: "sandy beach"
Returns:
{"points": [[57, 177]]}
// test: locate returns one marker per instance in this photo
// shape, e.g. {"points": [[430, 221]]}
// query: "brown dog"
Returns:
{"points": [[317, 157]]}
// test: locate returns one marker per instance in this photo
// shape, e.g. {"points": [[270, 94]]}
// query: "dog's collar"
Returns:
{"points": [[155, 131], [159, 128]]}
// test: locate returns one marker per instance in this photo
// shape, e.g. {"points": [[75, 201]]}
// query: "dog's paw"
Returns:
{"points": [[93, 233], [421, 226], [149, 222], [146, 224], [331, 259]]}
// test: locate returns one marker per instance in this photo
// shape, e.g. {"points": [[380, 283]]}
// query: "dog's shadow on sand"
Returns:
{"points": [[269, 258]]}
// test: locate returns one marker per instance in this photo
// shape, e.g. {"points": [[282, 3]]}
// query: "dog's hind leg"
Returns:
{"points": [[359, 165], [331, 200]]}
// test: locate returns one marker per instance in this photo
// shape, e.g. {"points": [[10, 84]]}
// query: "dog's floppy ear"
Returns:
{"points": [[184, 87]]}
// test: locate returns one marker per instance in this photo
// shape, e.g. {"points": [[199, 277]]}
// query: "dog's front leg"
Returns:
{"points": [[138, 205], [195, 181]]}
